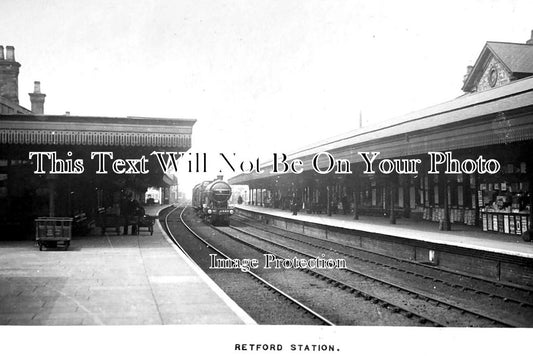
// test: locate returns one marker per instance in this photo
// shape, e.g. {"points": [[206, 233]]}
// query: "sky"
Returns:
{"points": [[258, 76]]}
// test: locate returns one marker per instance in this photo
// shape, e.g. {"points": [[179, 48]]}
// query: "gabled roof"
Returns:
{"points": [[517, 58]]}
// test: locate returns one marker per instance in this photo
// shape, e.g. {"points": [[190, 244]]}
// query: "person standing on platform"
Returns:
{"points": [[136, 212], [125, 210], [294, 205], [344, 202], [128, 211], [124, 213]]}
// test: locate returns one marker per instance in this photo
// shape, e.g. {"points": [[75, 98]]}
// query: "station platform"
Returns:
{"points": [[109, 280], [461, 235]]}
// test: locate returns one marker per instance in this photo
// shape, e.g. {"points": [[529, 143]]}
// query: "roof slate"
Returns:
{"points": [[503, 99], [517, 57]]}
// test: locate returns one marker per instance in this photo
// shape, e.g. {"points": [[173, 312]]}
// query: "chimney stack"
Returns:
{"points": [[468, 70], [220, 177], [37, 99], [9, 75], [530, 41], [10, 53]]}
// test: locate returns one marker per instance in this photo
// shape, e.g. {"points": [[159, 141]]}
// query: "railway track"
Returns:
{"points": [[408, 301], [432, 280], [509, 293], [260, 284], [330, 297], [342, 304], [357, 292]]}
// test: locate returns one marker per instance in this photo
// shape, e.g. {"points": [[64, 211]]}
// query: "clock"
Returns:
{"points": [[493, 76]]}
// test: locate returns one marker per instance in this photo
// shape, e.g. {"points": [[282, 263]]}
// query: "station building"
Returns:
{"points": [[27, 193], [491, 122]]}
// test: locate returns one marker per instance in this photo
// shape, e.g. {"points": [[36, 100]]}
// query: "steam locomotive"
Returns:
{"points": [[210, 200]]}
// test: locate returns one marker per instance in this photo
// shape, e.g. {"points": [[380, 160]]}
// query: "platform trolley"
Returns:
{"points": [[145, 221], [53, 231]]}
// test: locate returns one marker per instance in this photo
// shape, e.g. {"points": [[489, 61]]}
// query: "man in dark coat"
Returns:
{"points": [[136, 212], [345, 205], [295, 205], [130, 211], [124, 212]]}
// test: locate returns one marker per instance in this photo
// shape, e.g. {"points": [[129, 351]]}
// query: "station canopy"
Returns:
{"points": [[497, 116], [126, 137]]}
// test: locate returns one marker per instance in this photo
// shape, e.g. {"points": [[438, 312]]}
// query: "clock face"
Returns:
{"points": [[493, 76]]}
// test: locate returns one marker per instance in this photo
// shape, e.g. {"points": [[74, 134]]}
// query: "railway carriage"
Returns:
{"points": [[210, 200]]}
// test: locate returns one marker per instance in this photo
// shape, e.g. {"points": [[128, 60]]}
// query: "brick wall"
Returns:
{"points": [[9, 72], [504, 76]]}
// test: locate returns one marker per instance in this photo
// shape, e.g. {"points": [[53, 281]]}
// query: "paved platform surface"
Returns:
{"points": [[109, 280], [461, 235]]}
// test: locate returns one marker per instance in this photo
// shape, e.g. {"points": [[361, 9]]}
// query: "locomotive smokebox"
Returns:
{"points": [[210, 200], [219, 191]]}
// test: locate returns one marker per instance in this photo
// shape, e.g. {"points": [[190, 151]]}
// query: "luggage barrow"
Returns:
{"points": [[53, 231], [146, 221]]}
